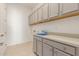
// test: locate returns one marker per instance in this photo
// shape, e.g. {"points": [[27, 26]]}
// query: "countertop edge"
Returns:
{"points": [[76, 44]]}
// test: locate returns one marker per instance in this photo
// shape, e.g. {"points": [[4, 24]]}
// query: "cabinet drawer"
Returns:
{"points": [[63, 47], [47, 50], [38, 38], [60, 53]]}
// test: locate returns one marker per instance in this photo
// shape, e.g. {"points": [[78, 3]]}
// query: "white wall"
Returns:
{"points": [[18, 28], [67, 25]]}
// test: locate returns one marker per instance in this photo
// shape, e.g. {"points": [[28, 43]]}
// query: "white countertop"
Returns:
{"points": [[62, 39]]}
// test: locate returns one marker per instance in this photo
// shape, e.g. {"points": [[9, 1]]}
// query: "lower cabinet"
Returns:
{"points": [[34, 44], [39, 48], [45, 47], [47, 50], [59, 53]]}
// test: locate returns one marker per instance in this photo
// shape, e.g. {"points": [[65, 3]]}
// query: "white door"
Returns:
{"points": [[3, 28]]}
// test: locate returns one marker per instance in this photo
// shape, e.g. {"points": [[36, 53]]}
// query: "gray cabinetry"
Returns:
{"points": [[69, 7], [47, 50], [53, 9], [59, 53], [45, 11], [34, 44], [39, 48], [47, 47]]}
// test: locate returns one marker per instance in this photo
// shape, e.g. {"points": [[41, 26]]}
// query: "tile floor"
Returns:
{"points": [[24, 49]]}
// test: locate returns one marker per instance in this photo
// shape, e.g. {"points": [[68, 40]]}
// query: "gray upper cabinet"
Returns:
{"points": [[48, 11], [30, 19], [35, 16], [69, 7], [39, 12], [45, 11], [47, 50], [53, 9]]}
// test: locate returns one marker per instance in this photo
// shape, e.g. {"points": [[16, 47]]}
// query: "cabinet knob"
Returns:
{"points": [[1, 43], [56, 53], [6, 44], [1, 35], [64, 48], [51, 50]]}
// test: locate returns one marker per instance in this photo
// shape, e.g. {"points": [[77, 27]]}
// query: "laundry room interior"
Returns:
{"points": [[39, 29]]}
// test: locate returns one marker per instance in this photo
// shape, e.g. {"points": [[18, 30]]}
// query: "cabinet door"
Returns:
{"points": [[39, 11], [53, 9], [47, 50], [34, 44], [33, 18], [30, 19], [36, 16], [69, 7], [45, 11], [59, 53], [39, 48]]}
